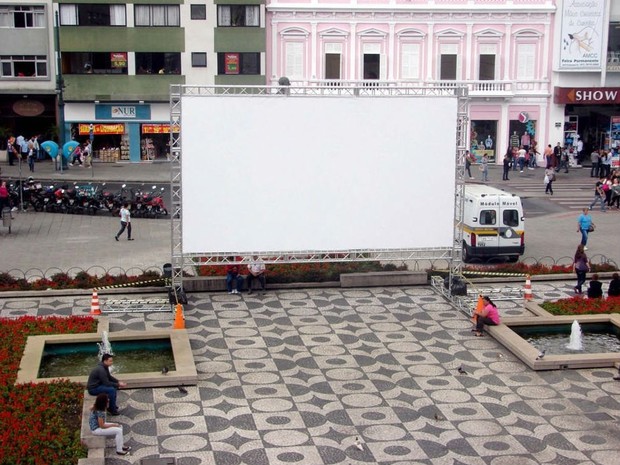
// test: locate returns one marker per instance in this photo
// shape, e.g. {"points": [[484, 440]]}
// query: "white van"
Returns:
{"points": [[493, 224]]}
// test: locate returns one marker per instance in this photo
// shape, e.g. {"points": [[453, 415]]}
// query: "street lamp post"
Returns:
{"points": [[60, 84]]}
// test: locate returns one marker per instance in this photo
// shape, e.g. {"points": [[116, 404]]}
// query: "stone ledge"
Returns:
{"points": [[218, 283], [384, 278], [95, 444]]}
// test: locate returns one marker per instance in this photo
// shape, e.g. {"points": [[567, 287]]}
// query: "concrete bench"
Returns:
{"points": [[384, 278], [95, 444]]}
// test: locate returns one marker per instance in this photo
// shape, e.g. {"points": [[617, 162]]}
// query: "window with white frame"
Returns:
{"points": [[526, 61], [23, 66], [487, 62], [294, 60], [448, 62], [238, 15], [22, 16], [157, 15], [87, 14], [410, 60], [199, 59]]}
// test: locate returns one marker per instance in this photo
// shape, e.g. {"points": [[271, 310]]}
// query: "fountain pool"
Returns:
{"points": [[527, 336], [77, 359], [556, 339], [182, 369]]}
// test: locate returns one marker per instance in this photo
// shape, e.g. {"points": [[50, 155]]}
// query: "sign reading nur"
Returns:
{"points": [[123, 112]]}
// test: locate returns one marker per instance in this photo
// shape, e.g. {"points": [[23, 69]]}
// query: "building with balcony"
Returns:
{"points": [[118, 60], [501, 50], [27, 74]]}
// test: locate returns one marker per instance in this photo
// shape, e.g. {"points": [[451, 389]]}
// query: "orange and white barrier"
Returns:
{"points": [[527, 290], [94, 304]]}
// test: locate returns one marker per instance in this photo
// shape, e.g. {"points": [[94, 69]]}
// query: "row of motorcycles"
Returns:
{"points": [[87, 199]]}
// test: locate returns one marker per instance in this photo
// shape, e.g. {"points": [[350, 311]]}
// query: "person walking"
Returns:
{"points": [[521, 158], [584, 222], [581, 265], [125, 222], [506, 166], [484, 165], [468, 161], [599, 195], [594, 158], [100, 381], [549, 178], [548, 156], [99, 425], [10, 150]]}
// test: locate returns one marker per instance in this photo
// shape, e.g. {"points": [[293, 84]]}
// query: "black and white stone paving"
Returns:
{"points": [[356, 377]]}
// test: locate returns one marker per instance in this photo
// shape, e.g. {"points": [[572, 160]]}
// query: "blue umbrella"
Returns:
{"points": [[68, 149], [50, 147]]}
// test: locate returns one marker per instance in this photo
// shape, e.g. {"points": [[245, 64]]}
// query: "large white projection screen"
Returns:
{"points": [[289, 174]]}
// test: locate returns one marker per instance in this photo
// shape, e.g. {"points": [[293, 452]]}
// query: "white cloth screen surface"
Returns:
{"points": [[265, 174]]}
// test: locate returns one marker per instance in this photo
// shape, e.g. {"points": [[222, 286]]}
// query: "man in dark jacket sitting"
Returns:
{"points": [[101, 381]]}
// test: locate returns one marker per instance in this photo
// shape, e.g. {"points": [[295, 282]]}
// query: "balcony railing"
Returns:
{"points": [[484, 89]]}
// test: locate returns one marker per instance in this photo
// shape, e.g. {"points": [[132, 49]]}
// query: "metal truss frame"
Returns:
{"points": [[183, 263]]}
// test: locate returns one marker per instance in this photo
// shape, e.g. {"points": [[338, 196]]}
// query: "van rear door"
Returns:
{"points": [[487, 234]]}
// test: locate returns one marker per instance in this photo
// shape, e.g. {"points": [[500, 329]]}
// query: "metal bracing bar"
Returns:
{"points": [[135, 305]]}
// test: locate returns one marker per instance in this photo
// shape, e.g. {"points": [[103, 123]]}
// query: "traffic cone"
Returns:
{"points": [[479, 308], [94, 304], [179, 319], [527, 290]]}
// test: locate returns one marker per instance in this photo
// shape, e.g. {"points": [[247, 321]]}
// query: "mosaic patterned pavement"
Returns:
{"points": [[332, 376]]}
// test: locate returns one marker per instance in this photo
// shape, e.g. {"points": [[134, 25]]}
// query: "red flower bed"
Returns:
{"points": [[537, 269], [582, 306], [39, 423], [305, 272]]}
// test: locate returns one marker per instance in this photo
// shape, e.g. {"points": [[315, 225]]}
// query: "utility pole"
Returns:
{"points": [[60, 85]]}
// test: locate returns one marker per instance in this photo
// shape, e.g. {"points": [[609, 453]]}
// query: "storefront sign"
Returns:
{"points": [[28, 107], [118, 59], [157, 129], [119, 111], [587, 95], [582, 35], [101, 129], [231, 63], [123, 111]]}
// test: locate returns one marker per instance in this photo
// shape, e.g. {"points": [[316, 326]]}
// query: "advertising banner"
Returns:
{"points": [[118, 59], [157, 129], [582, 35], [101, 129], [231, 63]]}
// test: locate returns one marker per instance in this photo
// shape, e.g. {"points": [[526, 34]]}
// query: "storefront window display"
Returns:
{"points": [[483, 139], [110, 143], [522, 132], [155, 142]]}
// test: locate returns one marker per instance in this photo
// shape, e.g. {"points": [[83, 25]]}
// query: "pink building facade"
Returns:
{"points": [[502, 50]]}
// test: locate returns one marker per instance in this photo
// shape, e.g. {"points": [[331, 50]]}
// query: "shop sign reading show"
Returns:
{"points": [[581, 35]]}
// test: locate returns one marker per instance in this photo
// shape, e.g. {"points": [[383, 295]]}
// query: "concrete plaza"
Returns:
{"points": [[300, 377]]}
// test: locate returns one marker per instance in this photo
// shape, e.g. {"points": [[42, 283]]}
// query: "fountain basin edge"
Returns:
{"points": [[527, 353], [184, 374]]}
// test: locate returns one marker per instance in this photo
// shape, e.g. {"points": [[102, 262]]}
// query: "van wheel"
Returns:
{"points": [[513, 258], [465, 257]]}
